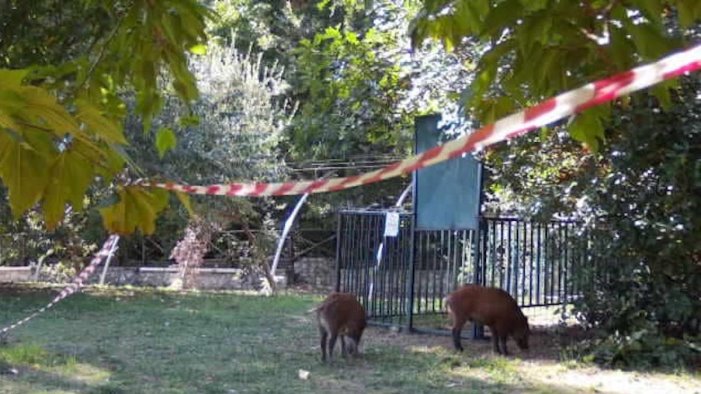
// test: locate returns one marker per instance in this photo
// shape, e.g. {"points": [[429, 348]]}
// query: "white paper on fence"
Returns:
{"points": [[392, 224]]}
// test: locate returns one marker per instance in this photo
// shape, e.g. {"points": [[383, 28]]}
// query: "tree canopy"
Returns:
{"points": [[532, 49], [62, 96]]}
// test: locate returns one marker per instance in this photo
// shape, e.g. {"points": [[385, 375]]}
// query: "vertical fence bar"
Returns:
{"points": [[501, 253], [410, 282], [537, 262], [516, 260], [432, 294], [530, 267], [353, 244], [426, 271], [371, 259], [407, 242], [568, 256], [549, 256], [357, 256], [483, 239], [508, 259], [480, 262], [493, 250], [339, 248], [445, 268], [522, 264], [562, 261]]}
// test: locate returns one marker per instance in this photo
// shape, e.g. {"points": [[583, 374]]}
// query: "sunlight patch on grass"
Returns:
{"points": [[81, 372], [496, 369], [29, 354], [30, 359], [428, 349]]}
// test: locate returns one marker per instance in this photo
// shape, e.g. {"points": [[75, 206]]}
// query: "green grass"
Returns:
{"points": [[164, 342]]}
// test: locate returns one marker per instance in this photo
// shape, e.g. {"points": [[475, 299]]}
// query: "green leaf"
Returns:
{"points": [[12, 78], [689, 12], [186, 201], [662, 93], [588, 127], [504, 14], [23, 164], [98, 123], [189, 120], [137, 209], [199, 49], [650, 41], [652, 9], [70, 177], [534, 5], [40, 104], [165, 140]]}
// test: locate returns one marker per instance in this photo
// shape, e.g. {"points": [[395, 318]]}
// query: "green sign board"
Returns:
{"points": [[446, 195]]}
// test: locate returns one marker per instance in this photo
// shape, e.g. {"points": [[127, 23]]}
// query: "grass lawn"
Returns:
{"points": [[124, 341]]}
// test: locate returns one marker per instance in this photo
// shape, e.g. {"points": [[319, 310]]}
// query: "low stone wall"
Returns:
{"points": [[207, 278], [317, 272], [15, 274]]}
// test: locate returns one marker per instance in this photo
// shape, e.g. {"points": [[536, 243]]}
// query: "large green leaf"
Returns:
{"points": [[12, 78], [96, 121], [588, 127], [40, 109], [71, 175], [23, 167], [137, 209]]}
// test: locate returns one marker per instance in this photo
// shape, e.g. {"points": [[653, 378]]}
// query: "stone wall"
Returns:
{"points": [[15, 274], [207, 278], [317, 272]]}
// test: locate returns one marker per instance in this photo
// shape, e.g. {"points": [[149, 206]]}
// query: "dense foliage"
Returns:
{"points": [[637, 181], [536, 48], [644, 220]]}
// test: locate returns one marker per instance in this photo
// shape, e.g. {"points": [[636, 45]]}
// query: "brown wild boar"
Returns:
{"points": [[491, 307], [340, 314]]}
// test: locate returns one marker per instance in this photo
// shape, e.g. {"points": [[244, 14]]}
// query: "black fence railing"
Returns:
{"points": [[534, 262]]}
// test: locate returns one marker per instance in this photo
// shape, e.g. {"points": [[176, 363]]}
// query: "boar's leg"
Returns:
{"points": [[457, 329], [324, 337], [495, 339], [332, 344], [505, 351]]}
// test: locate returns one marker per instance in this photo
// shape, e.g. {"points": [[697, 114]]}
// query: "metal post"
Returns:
{"points": [[339, 238], [478, 330], [410, 283]]}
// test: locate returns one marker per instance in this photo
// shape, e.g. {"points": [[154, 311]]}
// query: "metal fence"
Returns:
{"points": [[532, 261]]}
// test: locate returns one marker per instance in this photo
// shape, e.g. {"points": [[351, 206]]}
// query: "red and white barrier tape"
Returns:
{"points": [[511, 126], [108, 248]]}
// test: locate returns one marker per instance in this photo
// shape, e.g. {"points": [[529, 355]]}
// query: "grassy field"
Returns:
{"points": [[162, 342]]}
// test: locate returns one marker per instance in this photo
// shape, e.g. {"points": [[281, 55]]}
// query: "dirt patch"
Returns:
{"points": [[545, 343], [540, 369]]}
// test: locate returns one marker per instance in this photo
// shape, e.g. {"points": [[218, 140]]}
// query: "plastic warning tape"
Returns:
{"points": [[108, 247], [542, 114]]}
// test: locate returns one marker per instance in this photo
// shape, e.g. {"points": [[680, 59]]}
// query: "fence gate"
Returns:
{"points": [[392, 289], [402, 280]]}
